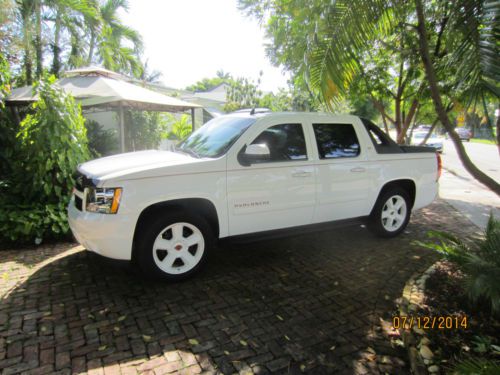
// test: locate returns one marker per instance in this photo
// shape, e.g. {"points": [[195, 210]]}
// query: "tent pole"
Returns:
{"points": [[122, 130], [192, 119]]}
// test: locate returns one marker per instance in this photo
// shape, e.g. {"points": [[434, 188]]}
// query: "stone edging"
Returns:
{"points": [[415, 339]]}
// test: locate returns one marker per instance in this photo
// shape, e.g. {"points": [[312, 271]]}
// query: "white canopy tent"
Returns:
{"points": [[97, 89]]}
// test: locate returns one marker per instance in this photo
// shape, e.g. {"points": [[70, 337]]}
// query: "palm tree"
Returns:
{"points": [[107, 37], [69, 16], [25, 15]]}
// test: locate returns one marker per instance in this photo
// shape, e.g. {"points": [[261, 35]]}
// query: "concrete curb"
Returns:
{"points": [[415, 339]]}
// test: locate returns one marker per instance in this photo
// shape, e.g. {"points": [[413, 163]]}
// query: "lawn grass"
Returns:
{"points": [[484, 141]]}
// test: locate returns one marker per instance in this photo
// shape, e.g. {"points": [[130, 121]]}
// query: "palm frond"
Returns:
{"points": [[342, 35], [476, 367], [476, 25]]}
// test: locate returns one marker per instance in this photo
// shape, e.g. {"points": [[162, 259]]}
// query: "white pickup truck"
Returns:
{"points": [[243, 174]]}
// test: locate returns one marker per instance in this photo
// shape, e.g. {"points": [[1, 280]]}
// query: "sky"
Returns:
{"points": [[188, 40]]}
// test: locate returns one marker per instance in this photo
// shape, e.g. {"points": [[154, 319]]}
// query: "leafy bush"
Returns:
{"points": [[480, 265], [145, 131], [51, 142], [180, 128], [33, 222], [101, 142]]}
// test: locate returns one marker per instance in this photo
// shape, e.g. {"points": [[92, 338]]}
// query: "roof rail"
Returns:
{"points": [[253, 111]]}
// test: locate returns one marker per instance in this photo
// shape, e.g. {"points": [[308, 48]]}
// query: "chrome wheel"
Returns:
{"points": [[394, 213], [178, 248]]}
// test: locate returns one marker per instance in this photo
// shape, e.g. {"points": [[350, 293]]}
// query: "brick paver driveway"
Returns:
{"points": [[316, 303]]}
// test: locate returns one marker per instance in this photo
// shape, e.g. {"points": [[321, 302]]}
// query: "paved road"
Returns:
{"points": [[461, 190], [486, 157]]}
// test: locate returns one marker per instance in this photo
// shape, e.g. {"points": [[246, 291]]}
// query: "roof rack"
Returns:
{"points": [[253, 111]]}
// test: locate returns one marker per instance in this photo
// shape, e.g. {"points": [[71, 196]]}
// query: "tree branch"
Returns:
{"points": [[438, 104]]}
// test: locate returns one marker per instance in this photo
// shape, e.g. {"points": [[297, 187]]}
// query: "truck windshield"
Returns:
{"points": [[214, 138]]}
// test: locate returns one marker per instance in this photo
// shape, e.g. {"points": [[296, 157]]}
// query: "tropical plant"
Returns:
{"points": [[181, 127], [100, 142], [51, 143], [207, 84], [145, 130], [480, 265], [117, 44], [77, 33], [243, 93], [476, 367]]}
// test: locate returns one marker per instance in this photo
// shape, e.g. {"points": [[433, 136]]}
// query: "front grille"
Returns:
{"points": [[81, 182]]}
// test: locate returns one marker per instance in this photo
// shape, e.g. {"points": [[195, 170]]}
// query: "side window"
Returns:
{"points": [[286, 142], [336, 141]]}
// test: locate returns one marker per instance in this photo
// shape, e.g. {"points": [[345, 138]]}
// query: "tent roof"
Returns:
{"points": [[94, 71], [100, 91]]}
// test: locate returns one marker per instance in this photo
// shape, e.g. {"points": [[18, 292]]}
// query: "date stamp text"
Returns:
{"points": [[429, 322]]}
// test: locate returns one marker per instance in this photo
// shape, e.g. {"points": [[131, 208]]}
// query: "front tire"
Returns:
{"points": [[391, 213], [173, 246]]}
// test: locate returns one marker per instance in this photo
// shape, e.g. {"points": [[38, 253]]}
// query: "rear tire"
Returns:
{"points": [[391, 213], [173, 246]]}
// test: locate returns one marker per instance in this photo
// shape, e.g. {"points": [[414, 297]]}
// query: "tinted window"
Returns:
{"points": [[285, 142], [336, 140]]}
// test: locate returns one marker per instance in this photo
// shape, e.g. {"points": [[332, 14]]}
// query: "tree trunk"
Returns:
{"points": [[385, 125], [427, 136], [56, 61], [397, 118], [91, 46], [407, 121], [440, 110], [28, 63], [38, 39], [498, 129]]}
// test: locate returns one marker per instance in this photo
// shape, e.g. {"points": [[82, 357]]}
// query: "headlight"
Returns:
{"points": [[103, 200]]}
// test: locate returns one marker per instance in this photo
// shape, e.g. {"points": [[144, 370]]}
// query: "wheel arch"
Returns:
{"points": [[199, 206], [407, 184]]}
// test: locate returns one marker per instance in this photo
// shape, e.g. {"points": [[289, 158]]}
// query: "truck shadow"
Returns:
{"points": [[312, 303]]}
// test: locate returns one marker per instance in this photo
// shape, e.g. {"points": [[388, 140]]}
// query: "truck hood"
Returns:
{"points": [[134, 163]]}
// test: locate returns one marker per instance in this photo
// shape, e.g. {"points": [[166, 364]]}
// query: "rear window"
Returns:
{"points": [[336, 141]]}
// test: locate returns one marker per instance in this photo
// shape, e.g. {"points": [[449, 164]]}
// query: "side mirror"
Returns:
{"points": [[254, 154]]}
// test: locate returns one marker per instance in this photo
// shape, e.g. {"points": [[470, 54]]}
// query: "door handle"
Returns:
{"points": [[358, 170], [301, 174]]}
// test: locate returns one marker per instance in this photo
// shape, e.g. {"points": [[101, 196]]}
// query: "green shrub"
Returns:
{"points": [[101, 142], [180, 128], [480, 265], [145, 130], [51, 142], [33, 222]]}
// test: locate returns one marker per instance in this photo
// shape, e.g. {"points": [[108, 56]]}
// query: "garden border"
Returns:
{"points": [[415, 339]]}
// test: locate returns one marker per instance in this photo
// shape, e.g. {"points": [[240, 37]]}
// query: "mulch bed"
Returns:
{"points": [[445, 296]]}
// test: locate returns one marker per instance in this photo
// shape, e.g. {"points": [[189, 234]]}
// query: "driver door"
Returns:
{"points": [[276, 193]]}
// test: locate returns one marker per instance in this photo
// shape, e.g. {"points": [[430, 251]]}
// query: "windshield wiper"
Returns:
{"points": [[187, 151]]}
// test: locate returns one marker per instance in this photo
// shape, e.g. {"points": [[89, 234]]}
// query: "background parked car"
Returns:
{"points": [[464, 134], [432, 141]]}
